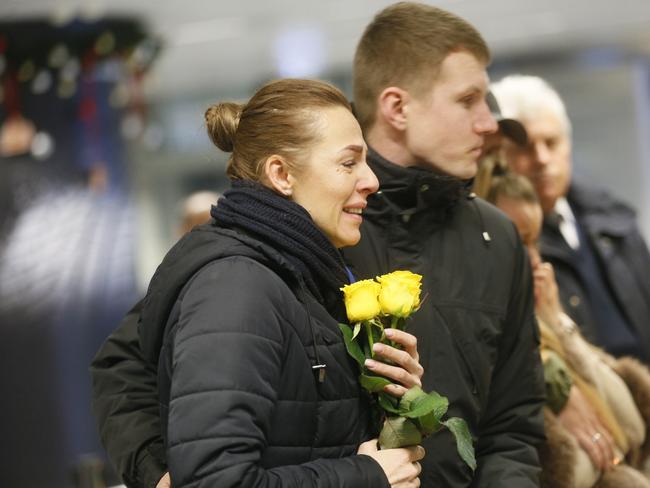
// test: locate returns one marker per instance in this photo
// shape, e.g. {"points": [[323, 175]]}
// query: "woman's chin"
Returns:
{"points": [[348, 240]]}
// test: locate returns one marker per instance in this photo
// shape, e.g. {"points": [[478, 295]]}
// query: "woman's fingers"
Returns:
{"points": [[408, 341], [403, 366], [591, 448], [397, 373], [399, 365], [416, 453], [606, 444]]}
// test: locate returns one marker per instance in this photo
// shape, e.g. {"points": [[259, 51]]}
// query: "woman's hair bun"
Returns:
{"points": [[222, 120]]}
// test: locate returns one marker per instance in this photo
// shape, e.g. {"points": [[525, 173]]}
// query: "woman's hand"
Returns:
{"points": [[401, 465], [580, 419], [405, 369], [547, 297]]}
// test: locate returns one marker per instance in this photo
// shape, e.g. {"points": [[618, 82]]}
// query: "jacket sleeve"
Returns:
{"points": [[229, 356], [512, 425], [125, 404]]}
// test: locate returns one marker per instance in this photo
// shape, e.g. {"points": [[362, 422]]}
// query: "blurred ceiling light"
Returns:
{"points": [[300, 52], [105, 43], [66, 88], [26, 71], [42, 82], [42, 146], [70, 70], [58, 56], [62, 13], [208, 31]]}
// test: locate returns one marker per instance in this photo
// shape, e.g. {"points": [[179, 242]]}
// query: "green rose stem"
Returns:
{"points": [[394, 324], [371, 342]]}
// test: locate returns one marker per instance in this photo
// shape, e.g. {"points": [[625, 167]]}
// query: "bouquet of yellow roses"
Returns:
{"points": [[372, 306]]}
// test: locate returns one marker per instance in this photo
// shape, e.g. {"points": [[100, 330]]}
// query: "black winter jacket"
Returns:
{"points": [[125, 399], [611, 229], [235, 373], [477, 335]]}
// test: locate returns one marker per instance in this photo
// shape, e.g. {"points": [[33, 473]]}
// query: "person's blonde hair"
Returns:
{"points": [[495, 179], [281, 118], [404, 46]]}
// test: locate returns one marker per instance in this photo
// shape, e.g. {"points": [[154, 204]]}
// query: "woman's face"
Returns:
{"points": [[527, 217], [334, 181]]}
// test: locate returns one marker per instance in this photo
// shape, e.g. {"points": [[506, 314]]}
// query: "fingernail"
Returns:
{"points": [[369, 363], [377, 347], [389, 332]]}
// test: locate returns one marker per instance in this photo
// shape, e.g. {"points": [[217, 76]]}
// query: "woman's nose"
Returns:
{"points": [[368, 183]]}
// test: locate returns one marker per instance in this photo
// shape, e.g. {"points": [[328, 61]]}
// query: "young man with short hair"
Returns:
{"points": [[420, 89]]}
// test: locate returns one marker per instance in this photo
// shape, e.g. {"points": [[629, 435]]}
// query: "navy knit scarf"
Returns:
{"points": [[287, 227]]}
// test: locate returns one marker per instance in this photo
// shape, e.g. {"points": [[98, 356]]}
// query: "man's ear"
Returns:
{"points": [[393, 104], [278, 175]]}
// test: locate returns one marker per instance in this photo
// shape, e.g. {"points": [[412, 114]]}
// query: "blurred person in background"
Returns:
{"points": [[598, 407], [242, 313], [195, 210], [592, 240], [420, 88]]}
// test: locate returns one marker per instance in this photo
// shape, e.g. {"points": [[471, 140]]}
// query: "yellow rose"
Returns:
{"points": [[361, 301], [400, 293]]}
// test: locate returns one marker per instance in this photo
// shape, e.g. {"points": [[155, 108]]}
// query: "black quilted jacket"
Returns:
{"points": [[240, 402]]}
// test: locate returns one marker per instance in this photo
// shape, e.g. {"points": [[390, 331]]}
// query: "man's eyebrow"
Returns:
{"points": [[470, 90], [353, 147]]}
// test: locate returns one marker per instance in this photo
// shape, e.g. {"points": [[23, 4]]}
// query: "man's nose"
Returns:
{"points": [[542, 153], [485, 123]]}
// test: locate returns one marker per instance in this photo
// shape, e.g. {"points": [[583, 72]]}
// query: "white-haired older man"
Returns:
{"points": [[600, 259]]}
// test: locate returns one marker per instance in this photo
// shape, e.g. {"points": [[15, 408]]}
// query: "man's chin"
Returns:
{"points": [[468, 171], [464, 170]]}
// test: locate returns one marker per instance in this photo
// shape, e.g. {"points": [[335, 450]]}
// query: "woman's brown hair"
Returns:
{"points": [[281, 118]]}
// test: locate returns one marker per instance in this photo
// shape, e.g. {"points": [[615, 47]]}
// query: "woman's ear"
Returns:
{"points": [[393, 103], [278, 175]]}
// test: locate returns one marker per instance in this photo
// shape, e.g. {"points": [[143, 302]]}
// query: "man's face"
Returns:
{"points": [[546, 160], [446, 127]]}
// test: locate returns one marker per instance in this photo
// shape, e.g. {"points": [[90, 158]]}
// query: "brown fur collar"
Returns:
{"points": [[637, 379], [557, 455]]}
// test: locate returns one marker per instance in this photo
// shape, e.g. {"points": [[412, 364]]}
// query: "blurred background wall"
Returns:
{"points": [[102, 136]]}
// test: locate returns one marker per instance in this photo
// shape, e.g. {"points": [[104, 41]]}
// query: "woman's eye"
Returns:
{"points": [[349, 164]]}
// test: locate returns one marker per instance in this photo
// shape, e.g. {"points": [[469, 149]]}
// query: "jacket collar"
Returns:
{"points": [[599, 212], [409, 190]]}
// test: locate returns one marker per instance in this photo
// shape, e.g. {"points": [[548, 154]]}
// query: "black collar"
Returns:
{"points": [[413, 189]]}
